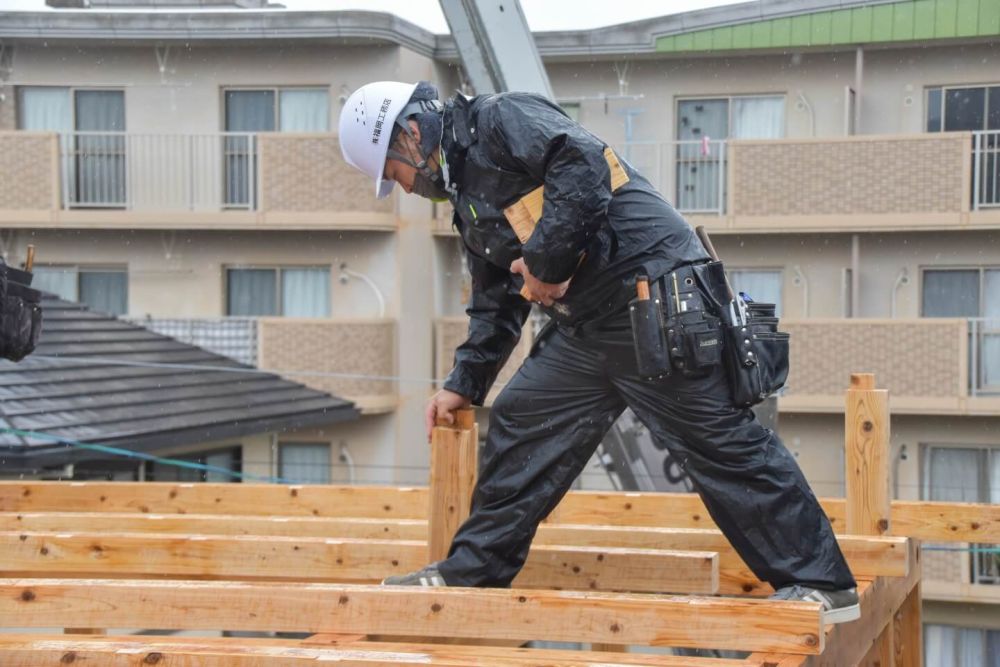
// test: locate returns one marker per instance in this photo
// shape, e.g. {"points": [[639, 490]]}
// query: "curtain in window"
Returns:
{"points": [[105, 291], [305, 463], [758, 118], [953, 475], [989, 350], [226, 460], [58, 280], [304, 110], [764, 286], [251, 292], [44, 108], [100, 155], [951, 293], [305, 292]]}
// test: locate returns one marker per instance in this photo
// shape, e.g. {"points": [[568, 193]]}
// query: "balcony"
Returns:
{"points": [[344, 357], [961, 572], [450, 332], [929, 365], [213, 181], [864, 183]]}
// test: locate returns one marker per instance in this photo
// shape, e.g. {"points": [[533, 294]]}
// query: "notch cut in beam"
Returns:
{"points": [[651, 620]]}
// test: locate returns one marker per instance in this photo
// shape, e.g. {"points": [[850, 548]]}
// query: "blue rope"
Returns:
{"points": [[142, 456]]}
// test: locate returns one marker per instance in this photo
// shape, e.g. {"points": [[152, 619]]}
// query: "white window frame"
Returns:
{"points": [[729, 110], [279, 269], [277, 90], [944, 89]]}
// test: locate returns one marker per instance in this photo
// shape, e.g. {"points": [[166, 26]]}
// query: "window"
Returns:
{"points": [[950, 646], [304, 463], [219, 461], [971, 293], [965, 109], [93, 145], [965, 475], [702, 126], [265, 110], [291, 292], [102, 289], [762, 285], [572, 110]]}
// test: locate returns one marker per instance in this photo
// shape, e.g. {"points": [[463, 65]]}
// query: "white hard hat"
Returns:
{"points": [[366, 123]]}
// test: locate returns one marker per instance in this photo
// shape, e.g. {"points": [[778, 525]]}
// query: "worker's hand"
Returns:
{"points": [[443, 405], [544, 293]]}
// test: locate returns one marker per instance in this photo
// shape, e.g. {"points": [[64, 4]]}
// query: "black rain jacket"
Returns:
{"points": [[500, 147]]}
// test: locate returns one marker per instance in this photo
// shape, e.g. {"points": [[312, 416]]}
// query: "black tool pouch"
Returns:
{"points": [[20, 314], [756, 355], [693, 329], [651, 357]]}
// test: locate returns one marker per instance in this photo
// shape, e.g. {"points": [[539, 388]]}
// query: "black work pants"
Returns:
{"points": [[549, 419]]}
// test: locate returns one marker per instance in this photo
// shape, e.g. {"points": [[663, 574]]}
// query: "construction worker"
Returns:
{"points": [[580, 264]]}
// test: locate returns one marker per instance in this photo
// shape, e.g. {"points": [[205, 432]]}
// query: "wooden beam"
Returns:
{"points": [[137, 651], [654, 620], [454, 466], [866, 428], [169, 498], [318, 559]]}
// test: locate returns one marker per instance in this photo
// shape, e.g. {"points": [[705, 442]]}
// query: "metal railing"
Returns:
{"points": [[187, 172], [233, 337], [985, 564], [690, 174], [985, 169], [984, 355]]}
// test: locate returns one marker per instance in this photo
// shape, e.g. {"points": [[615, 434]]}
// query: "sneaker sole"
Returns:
{"points": [[842, 615]]}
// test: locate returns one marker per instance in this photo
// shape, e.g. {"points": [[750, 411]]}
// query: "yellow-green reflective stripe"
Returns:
{"points": [[474, 215]]}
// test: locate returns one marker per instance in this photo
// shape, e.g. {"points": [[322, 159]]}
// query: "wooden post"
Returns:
{"points": [[866, 430], [454, 464], [869, 504]]}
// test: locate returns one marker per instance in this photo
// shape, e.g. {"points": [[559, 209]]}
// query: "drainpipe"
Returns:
{"points": [[859, 66], [902, 278], [900, 456], [800, 281], [348, 460], [804, 103], [855, 275]]}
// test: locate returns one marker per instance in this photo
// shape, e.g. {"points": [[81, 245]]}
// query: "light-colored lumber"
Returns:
{"points": [[214, 524], [170, 498], [137, 651], [866, 433], [690, 621], [320, 559], [454, 466], [909, 643]]}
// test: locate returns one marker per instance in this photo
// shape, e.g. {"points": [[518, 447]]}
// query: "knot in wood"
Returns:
{"points": [[883, 525], [435, 607], [152, 658], [68, 658], [867, 426], [27, 596], [812, 640], [615, 628]]}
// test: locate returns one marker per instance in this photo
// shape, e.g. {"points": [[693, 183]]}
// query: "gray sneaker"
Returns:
{"points": [[838, 606], [427, 576]]}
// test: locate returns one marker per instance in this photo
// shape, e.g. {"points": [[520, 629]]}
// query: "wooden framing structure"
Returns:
{"points": [[610, 570]]}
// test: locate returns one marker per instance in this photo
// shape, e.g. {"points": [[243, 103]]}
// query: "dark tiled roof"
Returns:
{"points": [[140, 408]]}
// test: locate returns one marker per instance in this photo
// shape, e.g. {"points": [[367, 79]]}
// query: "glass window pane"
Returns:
{"points": [[100, 110], [758, 118], [250, 111], [763, 286], [227, 460], [701, 118], [105, 291], [951, 293], [305, 110], [939, 644], [305, 463], [251, 292], [305, 292], [933, 109], [953, 475], [58, 280], [44, 108], [964, 109], [572, 110]]}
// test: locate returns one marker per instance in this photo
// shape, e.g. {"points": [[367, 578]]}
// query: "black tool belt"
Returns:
{"points": [[20, 313], [689, 326]]}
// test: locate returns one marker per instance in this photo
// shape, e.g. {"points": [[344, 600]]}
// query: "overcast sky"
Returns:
{"points": [[541, 14]]}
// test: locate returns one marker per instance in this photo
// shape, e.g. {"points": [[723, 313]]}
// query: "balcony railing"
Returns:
{"points": [[984, 355], [351, 358], [691, 174], [191, 172], [986, 169], [450, 332]]}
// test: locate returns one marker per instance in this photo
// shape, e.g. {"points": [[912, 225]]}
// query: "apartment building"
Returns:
{"points": [[180, 167]]}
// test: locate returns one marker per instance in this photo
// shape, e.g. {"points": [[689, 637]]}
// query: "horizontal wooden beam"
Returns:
{"points": [[169, 498], [930, 521], [652, 620], [322, 559], [137, 651]]}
